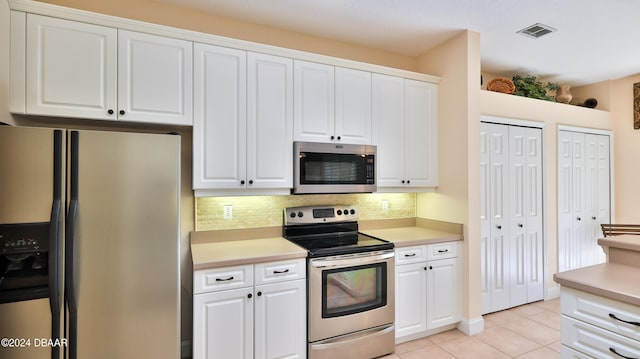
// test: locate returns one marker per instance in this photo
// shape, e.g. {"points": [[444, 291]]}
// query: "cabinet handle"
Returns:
{"points": [[249, 295], [425, 268], [250, 181], [333, 137], [408, 181], [110, 112], [281, 271], [613, 316], [339, 138], [520, 225], [499, 226], [579, 219], [259, 294], [410, 255], [430, 267], [402, 181], [620, 355], [242, 182], [443, 250], [224, 279], [122, 112]]}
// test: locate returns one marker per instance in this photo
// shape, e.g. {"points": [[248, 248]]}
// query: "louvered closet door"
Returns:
{"points": [[525, 215]]}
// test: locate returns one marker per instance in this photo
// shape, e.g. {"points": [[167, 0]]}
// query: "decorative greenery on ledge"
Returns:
{"points": [[530, 86]]}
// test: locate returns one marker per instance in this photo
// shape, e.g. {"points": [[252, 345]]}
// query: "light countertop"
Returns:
{"points": [[610, 280], [412, 236], [247, 251], [628, 241], [213, 249]]}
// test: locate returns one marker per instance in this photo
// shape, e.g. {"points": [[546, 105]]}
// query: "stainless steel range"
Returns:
{"points": [[350, 285]]}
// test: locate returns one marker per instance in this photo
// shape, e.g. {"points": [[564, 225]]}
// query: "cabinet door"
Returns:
{"points": [[421, 136], [388, 128], [411, 299], [154, 79], [281, 320], [71, 68], [269, 121], [314, 102], [220, 121], [353, 106], [443, 292], [223, 324]]}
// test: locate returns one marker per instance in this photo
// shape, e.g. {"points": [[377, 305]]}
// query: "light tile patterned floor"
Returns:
{"points": [[530, 331]]}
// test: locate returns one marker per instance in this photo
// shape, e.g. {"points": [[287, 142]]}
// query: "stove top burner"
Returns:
{"points": [[323, 238]]}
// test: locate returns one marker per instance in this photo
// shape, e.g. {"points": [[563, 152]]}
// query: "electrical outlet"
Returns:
{"points": [[228, 211], [385, 205]]}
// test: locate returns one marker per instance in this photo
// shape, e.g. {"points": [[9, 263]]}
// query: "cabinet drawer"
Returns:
{"points": [[272, 272], [597, 342], [211, 280], [407, 255], [601, 312], [442, 250], [568, 353]]}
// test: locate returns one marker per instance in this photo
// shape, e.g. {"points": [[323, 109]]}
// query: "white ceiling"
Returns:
{"points": [[595, 41]]}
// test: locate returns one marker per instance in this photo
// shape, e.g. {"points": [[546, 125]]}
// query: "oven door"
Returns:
{"points": [[350, 293]]}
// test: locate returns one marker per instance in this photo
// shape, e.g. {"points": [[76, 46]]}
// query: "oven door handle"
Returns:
{"points": [[348, 260]]}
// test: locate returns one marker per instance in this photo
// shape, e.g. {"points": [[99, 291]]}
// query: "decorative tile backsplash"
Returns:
{"points": [[266, 211]]}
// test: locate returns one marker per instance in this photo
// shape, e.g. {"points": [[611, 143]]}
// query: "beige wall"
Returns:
{"points": [[626, 152], [4, 63], [457, 61]]}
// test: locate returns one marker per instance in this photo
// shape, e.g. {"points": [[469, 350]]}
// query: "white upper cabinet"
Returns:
{"points": [[314, 102], [405, 129], [154, 79], [220, 118], [75, 69], [353, 106], [332, 104], [269, 121], [70, 68], [243, 120]]}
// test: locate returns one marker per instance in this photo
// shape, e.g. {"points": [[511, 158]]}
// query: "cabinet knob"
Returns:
{"points": [[241, 181], [333, 137], [594, 218], [520, 225], [425, 268], [122, 112], [259, 294], [579, 219], [249, 295], [499, 226], [403, 181], [338, 138], [430, 267], [408, 181], [250, 181], [110, 112]]}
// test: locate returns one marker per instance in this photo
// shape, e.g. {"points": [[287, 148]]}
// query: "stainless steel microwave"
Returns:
{"points": [[333, 168]]}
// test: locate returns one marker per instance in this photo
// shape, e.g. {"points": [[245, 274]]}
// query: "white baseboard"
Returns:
{"points": [[552, 293], [471, 326], [185, 349]]}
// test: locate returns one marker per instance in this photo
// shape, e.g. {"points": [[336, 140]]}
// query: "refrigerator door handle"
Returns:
{"points": [[70, 285], [54, 243]]}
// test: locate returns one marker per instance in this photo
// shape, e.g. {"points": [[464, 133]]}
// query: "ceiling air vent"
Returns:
{"points": [[536, 30]]}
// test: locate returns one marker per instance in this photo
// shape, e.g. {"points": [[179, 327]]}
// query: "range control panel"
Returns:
{"points": [[320, 214]]}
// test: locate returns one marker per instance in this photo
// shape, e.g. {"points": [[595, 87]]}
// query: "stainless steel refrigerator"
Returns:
{"points": [[89, 244]]}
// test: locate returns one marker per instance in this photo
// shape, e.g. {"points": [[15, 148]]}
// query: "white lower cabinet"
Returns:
{"points": [[598, 327], [264, 318], [427, 281]]}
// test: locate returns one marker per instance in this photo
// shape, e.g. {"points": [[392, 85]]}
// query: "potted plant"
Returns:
{"points": [[530, 86]]}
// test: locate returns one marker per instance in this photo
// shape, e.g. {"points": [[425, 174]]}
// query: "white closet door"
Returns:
{"points": [[485, 217], [499, 212], [603, 214], [597, 198], [534, 244], [517, 192], [565, 209], [578, 199]]}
